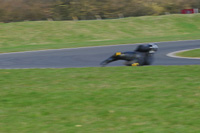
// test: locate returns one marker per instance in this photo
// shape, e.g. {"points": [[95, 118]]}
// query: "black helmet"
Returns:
{"points": [[151, 47]]}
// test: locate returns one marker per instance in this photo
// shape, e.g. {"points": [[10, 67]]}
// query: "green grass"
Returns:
{"points": [[151, 99], [23, 36], [190, 53], [111, 99]]}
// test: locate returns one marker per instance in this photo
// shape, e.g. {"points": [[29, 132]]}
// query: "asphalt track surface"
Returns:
{"points": [[92, 56]]}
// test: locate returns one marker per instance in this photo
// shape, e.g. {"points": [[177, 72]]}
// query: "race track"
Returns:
{"points": [[92, 56]]}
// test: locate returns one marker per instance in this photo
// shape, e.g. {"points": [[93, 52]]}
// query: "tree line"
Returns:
{"points": [[22, 10]]}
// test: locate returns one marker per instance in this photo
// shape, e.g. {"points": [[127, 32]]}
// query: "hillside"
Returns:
{"points": [[35, 35]]}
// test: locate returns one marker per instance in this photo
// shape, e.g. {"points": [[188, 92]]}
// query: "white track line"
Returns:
{"points": [[173, 54]]}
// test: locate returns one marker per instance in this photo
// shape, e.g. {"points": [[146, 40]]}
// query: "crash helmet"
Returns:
{"points": [[153, 47]]}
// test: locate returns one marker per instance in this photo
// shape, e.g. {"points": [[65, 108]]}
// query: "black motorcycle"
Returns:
{"points": [[143, 55]]}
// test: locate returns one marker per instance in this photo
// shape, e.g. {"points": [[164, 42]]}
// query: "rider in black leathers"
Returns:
{"points": [[143, 55]]}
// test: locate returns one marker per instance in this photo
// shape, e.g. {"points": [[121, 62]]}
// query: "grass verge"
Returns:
{"points": [[111, 99], [26, 36], [190, 53]]}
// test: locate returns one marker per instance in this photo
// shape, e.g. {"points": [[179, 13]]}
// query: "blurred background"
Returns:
{"points": [[31, 10]]}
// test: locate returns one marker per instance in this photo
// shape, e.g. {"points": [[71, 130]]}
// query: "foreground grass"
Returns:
{"points": [[23, 36], [112, 99], [190, 53]]}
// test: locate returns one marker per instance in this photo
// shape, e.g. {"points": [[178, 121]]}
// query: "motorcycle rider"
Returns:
{"points": [[143, 55]]}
